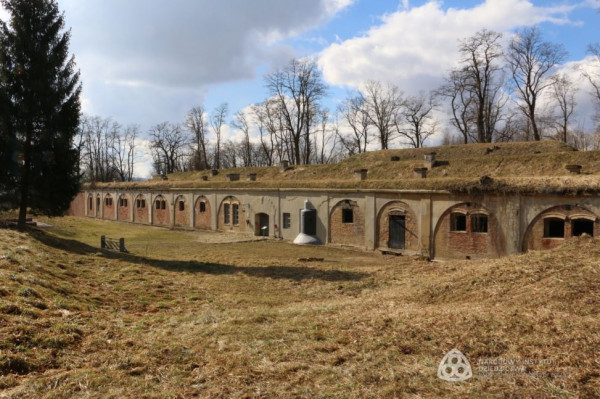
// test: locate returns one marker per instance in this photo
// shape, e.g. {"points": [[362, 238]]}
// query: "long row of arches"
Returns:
{"points": [[463, 230]]}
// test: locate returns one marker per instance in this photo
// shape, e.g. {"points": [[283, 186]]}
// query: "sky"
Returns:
{"points": [[148, 61]]}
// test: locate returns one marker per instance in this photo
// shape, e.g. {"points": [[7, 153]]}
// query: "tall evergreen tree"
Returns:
{"points": [[40, 107]]}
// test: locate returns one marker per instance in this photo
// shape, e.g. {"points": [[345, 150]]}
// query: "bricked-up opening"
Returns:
{"points": [[236, 214], [181, 206], [458, 222], [479, 223], [226, 214], [554, 228], [202, 207], [347, 216], [582, 226], [287, 220]]}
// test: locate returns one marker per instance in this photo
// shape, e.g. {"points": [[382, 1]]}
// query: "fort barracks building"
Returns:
{"points": [[467, 201]]}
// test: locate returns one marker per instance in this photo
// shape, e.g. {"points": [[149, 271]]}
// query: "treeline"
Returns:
{"points": [[496, 93]]}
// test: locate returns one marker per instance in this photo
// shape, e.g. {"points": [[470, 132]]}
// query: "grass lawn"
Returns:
{"points": [[182, 316]]}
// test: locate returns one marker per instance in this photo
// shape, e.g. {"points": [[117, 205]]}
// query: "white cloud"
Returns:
{"points": [[415, 47], [186, 43]]}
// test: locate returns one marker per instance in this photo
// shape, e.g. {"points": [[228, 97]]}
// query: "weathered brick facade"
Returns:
{"points": [[538, 238], [123, 205], [78, 205], [161, 211], [437, 224], [344, 231], [140, 209], [202, 213], [109, 207], [182, 212], [468, 242], [411, 236], [238, 225]]}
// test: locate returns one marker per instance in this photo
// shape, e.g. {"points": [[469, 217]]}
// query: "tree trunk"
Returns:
{"points": [[25, 181]]}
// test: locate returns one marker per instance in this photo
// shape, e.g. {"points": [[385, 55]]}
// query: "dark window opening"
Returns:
{"points": [[347, 216], [582, 226], [202, 207], [554, 228], [157, 204], [479, 223], [226, 214], [123, 202], [163, 204], [143, 203], [236, 214], [91, 203], [458, 222], [181, 205], [287, 221]]}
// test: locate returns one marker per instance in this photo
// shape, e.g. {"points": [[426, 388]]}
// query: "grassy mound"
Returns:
{"points": [[254, 320]]}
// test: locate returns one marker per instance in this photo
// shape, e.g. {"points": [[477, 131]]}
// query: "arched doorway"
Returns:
{"points": [[261, 225]]}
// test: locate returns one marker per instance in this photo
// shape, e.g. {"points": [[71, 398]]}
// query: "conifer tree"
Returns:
{"points": [[40, 108]]}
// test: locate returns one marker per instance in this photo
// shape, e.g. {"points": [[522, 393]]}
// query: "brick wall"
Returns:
{"points": [[534, 237], [411, 235], [462, 244], [347, 233], [241, 226], [77, 207], [202, 219], [123, 211], [160, 217], [140, 215], [182, 217], [109, 210]]}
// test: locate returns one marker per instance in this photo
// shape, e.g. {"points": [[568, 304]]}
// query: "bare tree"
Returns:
{"points": [[563, 92], [170, 147], [240, 122], [594, 76], [353, 111], [382, 104], [217, 120], [483, 79], [124, 152], [414, 121], [297, 88], [461, 104], [326, 138], [531, 60], [195, 122]]}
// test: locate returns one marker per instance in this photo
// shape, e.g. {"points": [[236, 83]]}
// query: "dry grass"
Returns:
{"points": [[250, 320], [515, 167]]}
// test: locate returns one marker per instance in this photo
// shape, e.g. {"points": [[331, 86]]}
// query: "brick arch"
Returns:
{"points": [[160, 211], [140, 209], [231, 203], [97, 205], [468, 240], [182, 211], [411, 236], [90, 205], [123, 206], [347, 224], [108, 204], [537, 235], [202, 215]]}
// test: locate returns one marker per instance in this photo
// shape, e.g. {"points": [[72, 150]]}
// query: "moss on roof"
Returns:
{"points": [[527, 167]]}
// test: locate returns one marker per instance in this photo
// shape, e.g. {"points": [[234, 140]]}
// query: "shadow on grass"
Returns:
{"points": [[297, 273]]}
